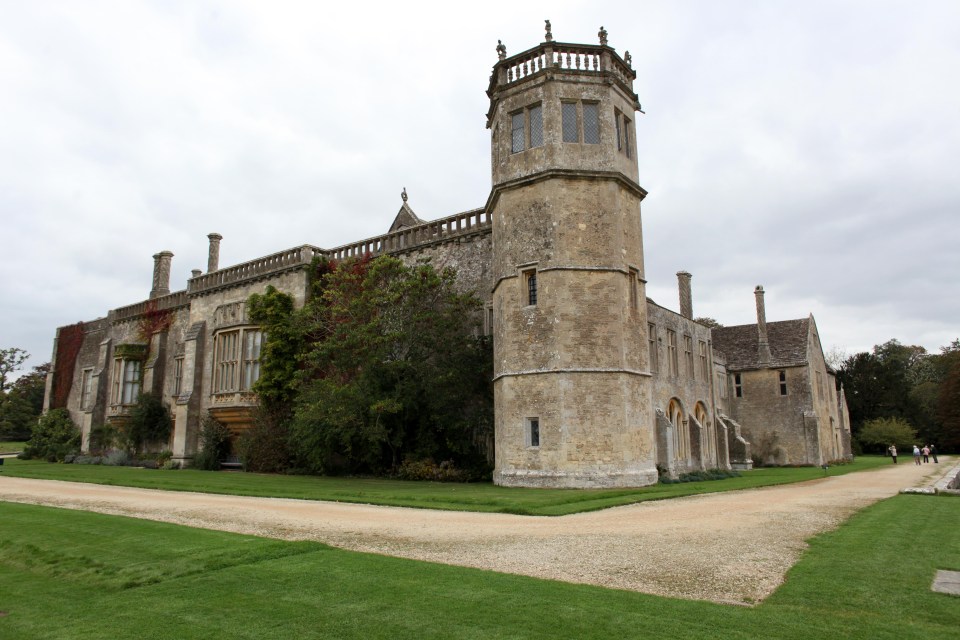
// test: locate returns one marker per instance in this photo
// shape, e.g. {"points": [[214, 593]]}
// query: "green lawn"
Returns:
{"points": [[78, 575], [431, 495], [10, 446]]}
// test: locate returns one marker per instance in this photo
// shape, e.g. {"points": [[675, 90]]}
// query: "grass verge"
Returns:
{"points": [[430, 495], [78, 575]]}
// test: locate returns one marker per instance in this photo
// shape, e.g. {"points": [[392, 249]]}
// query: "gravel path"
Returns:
{"points": [[732, 547]]}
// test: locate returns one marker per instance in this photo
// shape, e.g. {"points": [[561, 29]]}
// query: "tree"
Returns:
{"points": [[947, 435], [10, 360], [54, 436], [878, 434], [393, 368], [21, 404], [879, 384], [708, 322]]}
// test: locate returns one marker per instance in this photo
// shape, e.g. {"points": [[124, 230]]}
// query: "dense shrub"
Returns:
{"points": [[53, 437], [214, 443], [446, 471], [265, 447], [701, 476], [117, 459], [149, 423], [103, 438], [878, 434]]}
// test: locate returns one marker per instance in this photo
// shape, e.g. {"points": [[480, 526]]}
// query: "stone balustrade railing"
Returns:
{"points": [[170, 301], [437, 231], [267, 265], [563, 56]]}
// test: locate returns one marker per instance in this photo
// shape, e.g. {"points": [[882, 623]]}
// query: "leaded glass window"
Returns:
{"points": [[516, 137], [536, 126], [569, 124], [591, 123]]}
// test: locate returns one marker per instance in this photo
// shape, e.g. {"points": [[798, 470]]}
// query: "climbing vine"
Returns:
{"points": [[69, 343], [153, 320]]}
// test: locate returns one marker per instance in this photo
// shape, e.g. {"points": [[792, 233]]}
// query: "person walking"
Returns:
{"points": [[933, 452], [893, 452], [916, 454], [926, 454]]}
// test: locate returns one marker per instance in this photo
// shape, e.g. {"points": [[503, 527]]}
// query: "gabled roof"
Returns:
{"points": [[788, 344], [405, 218]]}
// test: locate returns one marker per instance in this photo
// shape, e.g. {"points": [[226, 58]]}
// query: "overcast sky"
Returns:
{"points": [[811, 147]]}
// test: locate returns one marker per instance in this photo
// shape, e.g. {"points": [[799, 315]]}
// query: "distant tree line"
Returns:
{"points": [[900, 394], [21, 400]]}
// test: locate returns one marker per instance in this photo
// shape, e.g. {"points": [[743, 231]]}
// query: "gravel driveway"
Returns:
{"points": [[732, 547]]}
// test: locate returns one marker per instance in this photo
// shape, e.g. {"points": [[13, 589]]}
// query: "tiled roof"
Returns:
{"points": [[740, 344]]}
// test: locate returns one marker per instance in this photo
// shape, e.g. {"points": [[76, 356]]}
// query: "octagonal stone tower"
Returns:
{"points": [[571, 379]]}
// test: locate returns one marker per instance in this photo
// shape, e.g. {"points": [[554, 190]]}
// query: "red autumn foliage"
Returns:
{"points": [[69, 342]]}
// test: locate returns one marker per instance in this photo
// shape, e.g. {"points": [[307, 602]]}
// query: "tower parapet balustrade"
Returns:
{"points": [[562, 57]]}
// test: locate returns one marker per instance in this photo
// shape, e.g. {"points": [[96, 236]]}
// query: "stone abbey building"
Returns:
{"points": [[595, 384]]}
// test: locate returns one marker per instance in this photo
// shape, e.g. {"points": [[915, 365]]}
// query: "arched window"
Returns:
{"points": [[681, 439]]}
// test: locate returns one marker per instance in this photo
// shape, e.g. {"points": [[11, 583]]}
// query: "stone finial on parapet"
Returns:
{"points": [[763, 342], [161, 274], [403, 194], [686, 295], [628, 59], [549, 30], [213, 257], [501, 51], [195, 273], [602, 34]]}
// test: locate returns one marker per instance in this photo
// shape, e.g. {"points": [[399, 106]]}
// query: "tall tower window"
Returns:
{"points": [[783, 383], [517, 134], [737, 385], [569, 117], [570, 122], [528, 119], [591, 123], [536, 126], [622, 124], [688, 356], [530, 278], [533, 432]]}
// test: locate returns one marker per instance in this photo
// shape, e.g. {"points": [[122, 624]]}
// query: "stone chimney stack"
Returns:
{"points": [[686, 298], [161, 274], [213, 259], [763, 343]]}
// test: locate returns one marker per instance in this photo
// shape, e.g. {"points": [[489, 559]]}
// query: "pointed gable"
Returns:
{"points": [[405, 218]]}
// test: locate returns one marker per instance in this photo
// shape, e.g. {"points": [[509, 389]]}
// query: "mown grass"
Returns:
{"points": [[11, 446], [431, 495], [78, 575]]}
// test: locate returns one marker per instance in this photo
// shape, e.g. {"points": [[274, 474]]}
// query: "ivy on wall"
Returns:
{"points": [[153, 320], [69, 343]]}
